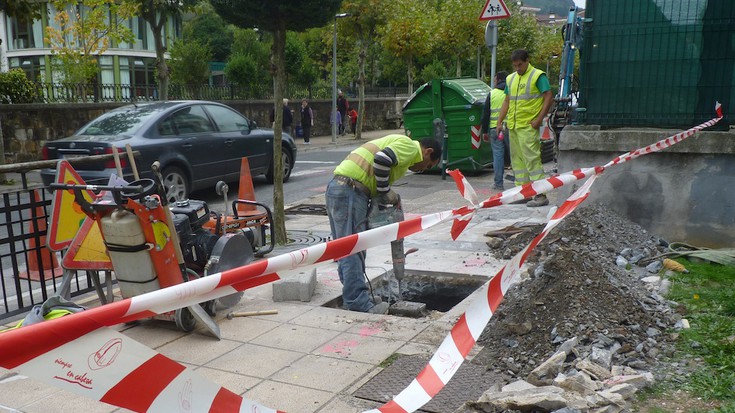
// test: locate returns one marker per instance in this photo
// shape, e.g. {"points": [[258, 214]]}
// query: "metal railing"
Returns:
{"points": [[103, 92], [30, 272]]}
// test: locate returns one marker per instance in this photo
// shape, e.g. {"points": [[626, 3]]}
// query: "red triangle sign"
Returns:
{"points": [[494, 9]]}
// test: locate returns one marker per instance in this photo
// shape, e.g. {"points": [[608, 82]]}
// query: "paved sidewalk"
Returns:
{"points": [[311, 358]]}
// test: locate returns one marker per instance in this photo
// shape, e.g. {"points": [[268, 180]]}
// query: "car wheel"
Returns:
{"points": [[287, 167], [176, 184]]}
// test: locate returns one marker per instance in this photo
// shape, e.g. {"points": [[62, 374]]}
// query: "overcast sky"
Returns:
{"points": [[579, 3]]}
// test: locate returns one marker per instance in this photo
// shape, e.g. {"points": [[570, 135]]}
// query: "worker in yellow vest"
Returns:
{"points": [[488, 125], [366, 176], [528, 99]]}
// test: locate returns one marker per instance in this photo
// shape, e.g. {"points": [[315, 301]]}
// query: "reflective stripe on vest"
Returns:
{"points": [[526, 100]]}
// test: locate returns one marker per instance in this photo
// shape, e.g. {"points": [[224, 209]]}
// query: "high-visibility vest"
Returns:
{"points": [[497, 96], [526, 99], [359, 163]]}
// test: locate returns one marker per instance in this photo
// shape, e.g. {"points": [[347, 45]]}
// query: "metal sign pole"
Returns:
{"points": [[491, 40]]}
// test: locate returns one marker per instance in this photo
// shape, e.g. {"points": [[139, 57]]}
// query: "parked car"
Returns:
{"points": [[196, 142]]}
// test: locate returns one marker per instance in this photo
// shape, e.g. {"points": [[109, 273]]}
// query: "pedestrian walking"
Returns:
{"points": [[307, 120], [343, 105]]}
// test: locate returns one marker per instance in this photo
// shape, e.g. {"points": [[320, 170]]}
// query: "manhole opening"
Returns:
{"points": [[438, 291]]}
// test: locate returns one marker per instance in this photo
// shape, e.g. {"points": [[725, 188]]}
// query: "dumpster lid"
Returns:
{"points": [[474, 91]]}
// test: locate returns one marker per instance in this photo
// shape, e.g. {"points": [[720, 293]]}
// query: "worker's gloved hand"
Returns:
{"points": [[388, 198]]}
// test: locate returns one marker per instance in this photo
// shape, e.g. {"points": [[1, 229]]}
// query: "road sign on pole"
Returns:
{"points": [[494, 9]]}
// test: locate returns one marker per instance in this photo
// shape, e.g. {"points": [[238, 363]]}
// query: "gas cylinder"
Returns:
{"points": [[129, 254]]}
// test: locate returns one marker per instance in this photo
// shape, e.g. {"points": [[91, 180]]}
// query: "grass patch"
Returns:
{"points": [[388, 361], [707, 299]]}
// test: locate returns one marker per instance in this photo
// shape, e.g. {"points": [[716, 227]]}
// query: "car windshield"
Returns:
{"points": [[119, 122]]}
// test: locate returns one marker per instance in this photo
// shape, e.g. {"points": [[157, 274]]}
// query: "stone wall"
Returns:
{"points": [[684, 193], [26, 128]]}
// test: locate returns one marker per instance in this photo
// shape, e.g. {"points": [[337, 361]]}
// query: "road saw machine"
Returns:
{"points": [[152, 245]]}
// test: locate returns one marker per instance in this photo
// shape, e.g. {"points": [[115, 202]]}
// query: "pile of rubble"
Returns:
{"points": [[587, 326]]}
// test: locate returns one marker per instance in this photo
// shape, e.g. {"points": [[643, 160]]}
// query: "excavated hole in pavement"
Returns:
{"points": [[422, 292]]}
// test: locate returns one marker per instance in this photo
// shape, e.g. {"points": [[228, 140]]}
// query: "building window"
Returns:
{"points": [[33, 66], [23, 35]]}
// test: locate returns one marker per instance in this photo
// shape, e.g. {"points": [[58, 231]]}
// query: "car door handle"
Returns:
{"points": [[186, 146], [229, 141]]}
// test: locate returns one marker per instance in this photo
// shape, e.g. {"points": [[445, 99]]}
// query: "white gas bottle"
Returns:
{"points": [[129, 254]]}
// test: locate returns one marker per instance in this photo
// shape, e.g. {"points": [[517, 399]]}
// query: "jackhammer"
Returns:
{"points": [[381, 215]]}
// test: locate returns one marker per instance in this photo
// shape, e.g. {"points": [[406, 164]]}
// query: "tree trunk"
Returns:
{"points": [[361, 89], [161, 65], [459, 66], [409, 65], [2, 153], [278, 65]]}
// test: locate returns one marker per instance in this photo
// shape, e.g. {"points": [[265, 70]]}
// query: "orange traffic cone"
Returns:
{"points": [[37, 249], [245, 190], [546, 132]]}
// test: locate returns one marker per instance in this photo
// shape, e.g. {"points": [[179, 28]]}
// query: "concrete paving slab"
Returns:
{"points": [[347, 404], [244, 329], [323, 373], [325, 318], [286, 310], [68, 402], [396, 328], [255, 361], [237, 383], [197, 349], [295, 338], [17, 390], [153, 334], [359, 348], [412, 349], [287, 397], [434, 334]]}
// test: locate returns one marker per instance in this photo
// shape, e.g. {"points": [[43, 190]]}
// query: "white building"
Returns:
{"points": [[126, 70]]}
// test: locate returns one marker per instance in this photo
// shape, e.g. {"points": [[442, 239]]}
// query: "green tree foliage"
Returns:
{"points": [[15, 87], [366, 18], [157, 13], [433, 70], [211, 29], [190, 62], [250, 59], [557, 7], [461, 32], [84, 30], [277, 17], [21, 9], [407, 33]]}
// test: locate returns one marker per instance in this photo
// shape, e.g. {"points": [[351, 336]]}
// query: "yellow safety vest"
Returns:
{"points": [[526, 99], [359, 163], [497, 96]]}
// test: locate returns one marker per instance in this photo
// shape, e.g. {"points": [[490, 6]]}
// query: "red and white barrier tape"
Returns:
{"points": [[39, 350]]}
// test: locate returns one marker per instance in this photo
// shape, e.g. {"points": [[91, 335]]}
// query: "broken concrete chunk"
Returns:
{"points": [[576, 383], [544, 374], [518, 385], [601, 357], [608, 409], [546, 398], [638, 380], [568, 345], [625, 389], [595, 370]]}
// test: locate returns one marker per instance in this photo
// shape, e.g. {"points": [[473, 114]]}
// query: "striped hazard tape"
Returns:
{"points": [[78, 353]]}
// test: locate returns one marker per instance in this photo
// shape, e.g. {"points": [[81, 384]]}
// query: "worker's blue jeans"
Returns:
{"points": [[348, 209], [498, 148]]}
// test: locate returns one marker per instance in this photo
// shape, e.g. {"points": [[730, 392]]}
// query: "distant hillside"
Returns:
{"points": [[558, 7]]}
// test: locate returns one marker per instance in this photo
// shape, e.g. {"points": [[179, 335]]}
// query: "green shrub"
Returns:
{"points": [[15, 87]]}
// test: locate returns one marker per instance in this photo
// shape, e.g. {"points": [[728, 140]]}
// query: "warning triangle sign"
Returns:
{"points": [[494, 9], [66, 215], [87, 251]]}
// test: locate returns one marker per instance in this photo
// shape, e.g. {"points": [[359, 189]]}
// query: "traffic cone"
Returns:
{"points": [[48, 264], [546, 132], [245, 190]]}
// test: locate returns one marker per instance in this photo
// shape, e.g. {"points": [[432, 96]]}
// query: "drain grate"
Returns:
{"points": [[468, 384], [307, 209], [301, 239]]}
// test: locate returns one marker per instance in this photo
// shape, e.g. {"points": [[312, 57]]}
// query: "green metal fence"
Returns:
{"points": [[657, 63]]}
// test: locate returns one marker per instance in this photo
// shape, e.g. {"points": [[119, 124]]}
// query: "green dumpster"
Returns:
{"points": [[458, 103]]}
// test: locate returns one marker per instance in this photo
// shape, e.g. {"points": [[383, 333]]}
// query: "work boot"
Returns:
{"points": [[381, 308], [538, 201]]}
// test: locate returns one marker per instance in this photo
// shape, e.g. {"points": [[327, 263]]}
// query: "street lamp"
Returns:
{"points": [[334, 77]]}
